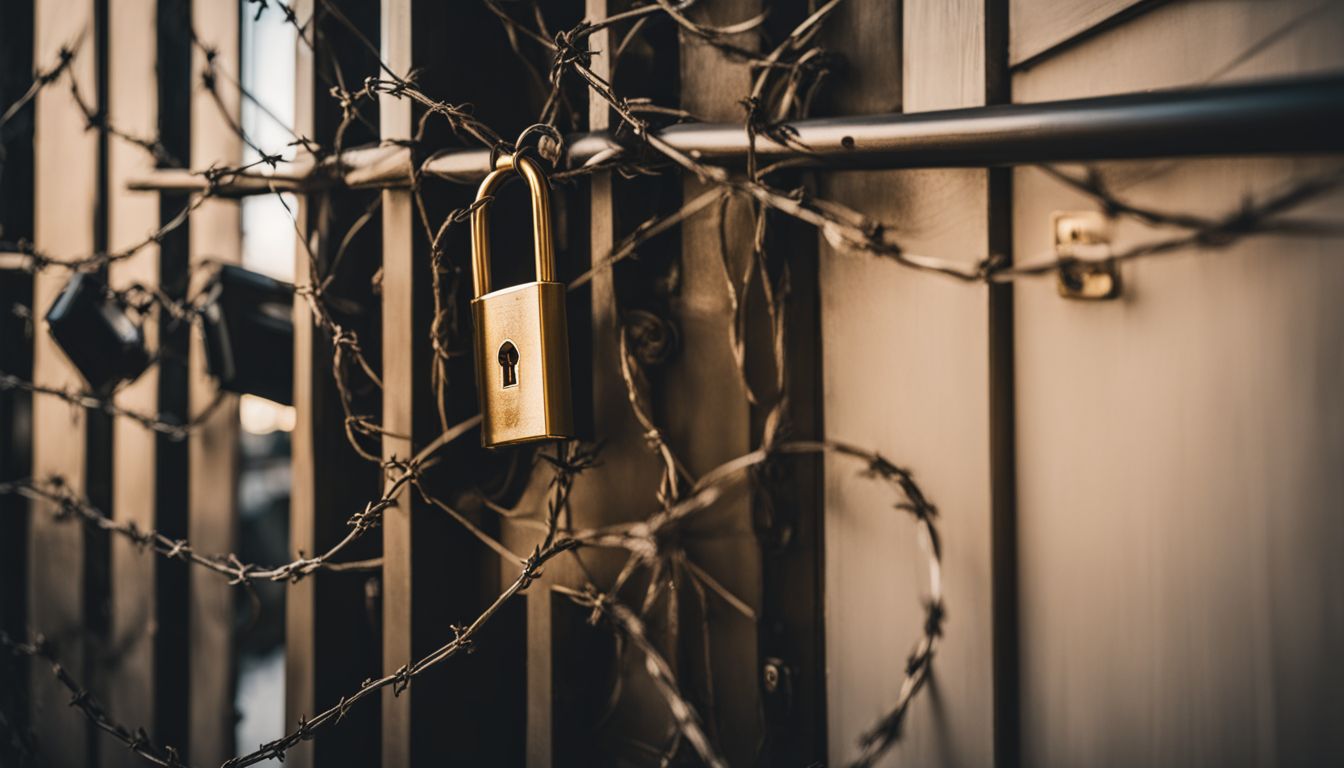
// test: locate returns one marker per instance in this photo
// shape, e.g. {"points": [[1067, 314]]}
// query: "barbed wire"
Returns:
{"points": [[136, 740], [646, 541], [164, 424], [69, 504], [41, 79]]}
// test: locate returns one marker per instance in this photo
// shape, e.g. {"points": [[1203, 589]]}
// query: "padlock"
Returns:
{"points": [[522, 343]]}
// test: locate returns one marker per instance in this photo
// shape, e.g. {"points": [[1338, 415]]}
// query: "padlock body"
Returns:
{"points": [[534, 402]]}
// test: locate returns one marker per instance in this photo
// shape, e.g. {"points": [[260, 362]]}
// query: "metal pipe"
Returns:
{"points": [[1271, 117], [1278, 117]]}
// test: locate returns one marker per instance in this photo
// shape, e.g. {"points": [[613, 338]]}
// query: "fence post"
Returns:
{"points": [[66, 195], [146, 679], [216, 235], [399, 341]]}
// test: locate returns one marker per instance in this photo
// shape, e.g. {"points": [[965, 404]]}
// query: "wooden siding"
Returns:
{"points": [[1179, 448], [906, 371], [216, 235], [1040, 26]]}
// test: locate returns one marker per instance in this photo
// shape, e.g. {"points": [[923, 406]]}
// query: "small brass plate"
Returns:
{"points": [[1083, 246]]}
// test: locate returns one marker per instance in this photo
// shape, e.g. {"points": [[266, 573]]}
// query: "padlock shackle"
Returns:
{"points": [[505, 166]]}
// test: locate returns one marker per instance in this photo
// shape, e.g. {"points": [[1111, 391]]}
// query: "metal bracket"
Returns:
{"points": [[1083, 247]]}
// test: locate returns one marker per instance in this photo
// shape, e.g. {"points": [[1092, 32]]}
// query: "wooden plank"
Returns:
{"points": [[923, 400], [398, 392], [133, 107], [67, 196], [1040, 26], [300, 607], [216, 234], [1180, 447]]}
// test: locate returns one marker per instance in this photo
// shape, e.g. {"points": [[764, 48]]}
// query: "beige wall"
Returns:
{"points": [[906, 372], [1181, 499], [1179, 451]]}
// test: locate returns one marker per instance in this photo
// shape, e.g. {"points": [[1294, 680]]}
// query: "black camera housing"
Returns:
{"points": [[92, 328], [248, 321]]}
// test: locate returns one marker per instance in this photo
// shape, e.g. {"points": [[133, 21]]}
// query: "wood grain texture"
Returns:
{"points": [[133, 107], [66, 163], [1039, 25], [906, 371], [1179, 448], [216, 234]]}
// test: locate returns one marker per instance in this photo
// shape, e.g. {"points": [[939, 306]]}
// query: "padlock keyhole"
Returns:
{"points": [[508, 363]]}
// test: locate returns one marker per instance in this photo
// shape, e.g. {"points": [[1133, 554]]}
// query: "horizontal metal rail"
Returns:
{"points": [[1273, 117]]}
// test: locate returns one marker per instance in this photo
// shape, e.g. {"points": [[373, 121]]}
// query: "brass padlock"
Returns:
{"points": [[522, 343]]}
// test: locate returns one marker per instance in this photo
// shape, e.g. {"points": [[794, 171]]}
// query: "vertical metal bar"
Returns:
{"points": [[1002, 415], [16, 358], [788, 508], [67, 196], [216, 235], [561, 657], [172, 587]]}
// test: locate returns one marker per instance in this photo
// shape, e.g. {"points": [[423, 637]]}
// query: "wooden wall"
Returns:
{"points": [[1179, 448], [1157, 588], [906, 371]]}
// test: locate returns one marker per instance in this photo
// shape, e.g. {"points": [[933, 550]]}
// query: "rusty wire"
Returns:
{"points": [[69, 504], [137, 740], [164, 424], [645, 541]]}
